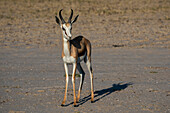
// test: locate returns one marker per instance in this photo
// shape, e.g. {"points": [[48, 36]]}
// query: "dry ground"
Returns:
{"points": [[107, 23], [132, 78], [126, 81]]}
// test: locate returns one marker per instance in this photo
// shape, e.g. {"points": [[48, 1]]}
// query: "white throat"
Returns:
{"points": [[66, 48], [67, 54]]}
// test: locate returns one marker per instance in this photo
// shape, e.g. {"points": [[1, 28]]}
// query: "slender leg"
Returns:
{"points": [[88, 63], [67, 79], [73, 81], [82, 74]]}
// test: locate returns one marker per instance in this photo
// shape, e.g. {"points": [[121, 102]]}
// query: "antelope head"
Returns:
{"points": [[66, 27]]}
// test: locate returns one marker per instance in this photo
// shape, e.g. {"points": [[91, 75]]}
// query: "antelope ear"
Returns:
{"points": [[75, 19], [57, 20]]}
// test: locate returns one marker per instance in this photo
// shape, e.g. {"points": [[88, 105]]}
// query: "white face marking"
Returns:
{"points": [[66, 31]]}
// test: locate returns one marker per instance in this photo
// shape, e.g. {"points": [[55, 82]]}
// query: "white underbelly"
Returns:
{"points": [[69, 59]]}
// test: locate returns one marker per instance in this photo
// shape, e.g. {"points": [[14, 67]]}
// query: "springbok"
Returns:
{"points": [[73, 52]]}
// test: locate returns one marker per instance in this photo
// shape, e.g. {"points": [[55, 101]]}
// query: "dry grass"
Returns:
{"points": [[133, 23]]}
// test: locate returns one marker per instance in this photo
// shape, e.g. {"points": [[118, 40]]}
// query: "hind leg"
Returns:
{"points": [[82, 74], [89, 66]]}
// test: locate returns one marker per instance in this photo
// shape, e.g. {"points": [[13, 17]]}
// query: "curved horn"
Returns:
{"points": [[61, 17], [69, 20]]}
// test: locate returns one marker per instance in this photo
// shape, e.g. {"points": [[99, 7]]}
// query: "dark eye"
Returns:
{"points": [[63, 28]]}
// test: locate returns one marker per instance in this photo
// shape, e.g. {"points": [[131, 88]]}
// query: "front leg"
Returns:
{"points": [[73, 81], [67, 79]]}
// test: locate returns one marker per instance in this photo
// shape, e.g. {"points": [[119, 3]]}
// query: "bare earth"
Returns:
{"points": [[130, 56], [126, 80]]}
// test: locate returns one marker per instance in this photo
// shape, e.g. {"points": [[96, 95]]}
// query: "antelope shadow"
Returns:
{"points": [[105, 92]]}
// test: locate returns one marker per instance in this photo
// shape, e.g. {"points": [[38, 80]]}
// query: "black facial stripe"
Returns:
{"points": [[66, 33], [63, 29]]}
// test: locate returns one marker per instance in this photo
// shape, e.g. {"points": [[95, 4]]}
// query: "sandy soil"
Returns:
{"points": [[132, 78], [107, 23]]}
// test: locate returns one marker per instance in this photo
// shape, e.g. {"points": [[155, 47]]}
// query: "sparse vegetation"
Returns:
{"points": [[128, 22], [77, 75], [153, 72]]}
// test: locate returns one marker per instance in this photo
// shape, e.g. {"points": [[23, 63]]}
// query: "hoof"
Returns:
{"points": [[62, 105], [77, 101], [92, 101], [76, 105]]}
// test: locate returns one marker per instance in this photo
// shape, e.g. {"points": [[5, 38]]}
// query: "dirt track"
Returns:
{"points": [[130, 41]]}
